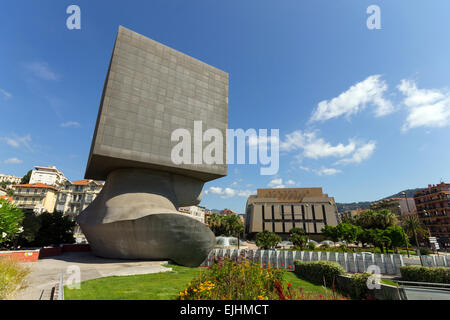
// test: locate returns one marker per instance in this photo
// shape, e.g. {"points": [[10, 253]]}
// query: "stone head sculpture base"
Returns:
{"points": [[135, 217]]}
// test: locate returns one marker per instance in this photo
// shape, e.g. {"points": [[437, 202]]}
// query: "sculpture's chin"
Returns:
{"points": [[135, 217]]}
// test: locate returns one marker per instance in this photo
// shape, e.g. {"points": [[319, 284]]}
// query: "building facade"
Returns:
{"points": [[38, 197], [399, 206], [197, 212], [47, 175], [10, 179], [74, 197], [433, 210], [280, 210]]}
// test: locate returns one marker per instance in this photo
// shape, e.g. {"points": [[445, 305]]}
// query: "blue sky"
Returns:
{"points": [[362, 113]]}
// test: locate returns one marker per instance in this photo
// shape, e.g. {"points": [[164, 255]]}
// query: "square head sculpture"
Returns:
{"points": [[150, 91]]}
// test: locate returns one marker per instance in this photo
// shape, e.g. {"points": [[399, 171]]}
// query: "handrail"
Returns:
{"points": [[61, 287]]}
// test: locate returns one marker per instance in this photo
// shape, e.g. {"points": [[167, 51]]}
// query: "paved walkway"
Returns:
{"points": [[45, 273]]}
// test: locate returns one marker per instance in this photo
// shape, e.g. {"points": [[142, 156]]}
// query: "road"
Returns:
{"points": [[413, 293]]}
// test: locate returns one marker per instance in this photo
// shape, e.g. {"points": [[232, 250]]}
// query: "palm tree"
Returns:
{"points": [[411, 224]]}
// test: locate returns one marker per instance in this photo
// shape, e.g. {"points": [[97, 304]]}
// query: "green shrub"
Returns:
{"points": [[425, 274], [425, 252], [267, 240], [311, 246], [359, 289], [319, 272]]}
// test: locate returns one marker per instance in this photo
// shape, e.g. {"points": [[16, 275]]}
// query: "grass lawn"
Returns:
{"points": [[154, 286], [158, 286]]}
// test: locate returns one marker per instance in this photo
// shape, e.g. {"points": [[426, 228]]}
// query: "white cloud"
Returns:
{"points": [[70, 124], [13, 161], [362, 153], [226, 193], [323, 171], [426, 107], [290, 182], [6, 94], [356, 98], [18, 142], [42, 70], [276, 183], [314, 147]]}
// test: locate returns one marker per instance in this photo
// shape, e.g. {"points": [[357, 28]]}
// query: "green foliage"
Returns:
{"points": [[10, 221], [31, 224], [230, 225], [348, 232], [425, 274], [425, 252], [331, 233], [55, 229], [267, 240], [26, 177], [311, 246], [371, 219], [397, 236], [319, 272], [359, 289], [298, 237]]}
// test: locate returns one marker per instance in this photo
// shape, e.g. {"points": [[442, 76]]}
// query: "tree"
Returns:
{"points": [[331, 233], [26, 177], [267, 240], [413, 226], [397, 236], [10, 221], [298, 237], [348, 232], [381, 219], [55, 229]]}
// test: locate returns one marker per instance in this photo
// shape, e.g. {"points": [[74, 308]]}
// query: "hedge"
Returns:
{"points": [[425, 274], [319, 272]]}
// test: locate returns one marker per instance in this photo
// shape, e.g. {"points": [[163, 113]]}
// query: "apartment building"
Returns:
{"points": [[401, 206], [47, 175], [38, 197], [10, 179], [196, 212], [433, 210], [74, 197]]}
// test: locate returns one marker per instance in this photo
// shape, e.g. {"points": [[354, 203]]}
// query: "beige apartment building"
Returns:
{"points": [[38, 197], [74, 197], [280, 210]]}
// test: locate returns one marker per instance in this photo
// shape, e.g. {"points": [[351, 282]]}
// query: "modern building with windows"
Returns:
{"points": [[433, 210], [38, 197], [47, 175], [280, 210]]}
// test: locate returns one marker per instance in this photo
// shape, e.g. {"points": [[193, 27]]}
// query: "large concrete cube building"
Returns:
{"points": [[280, 210], [150, 91]]}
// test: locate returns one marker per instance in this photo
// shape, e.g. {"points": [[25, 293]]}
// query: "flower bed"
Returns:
{"points": [[243, 280]]}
